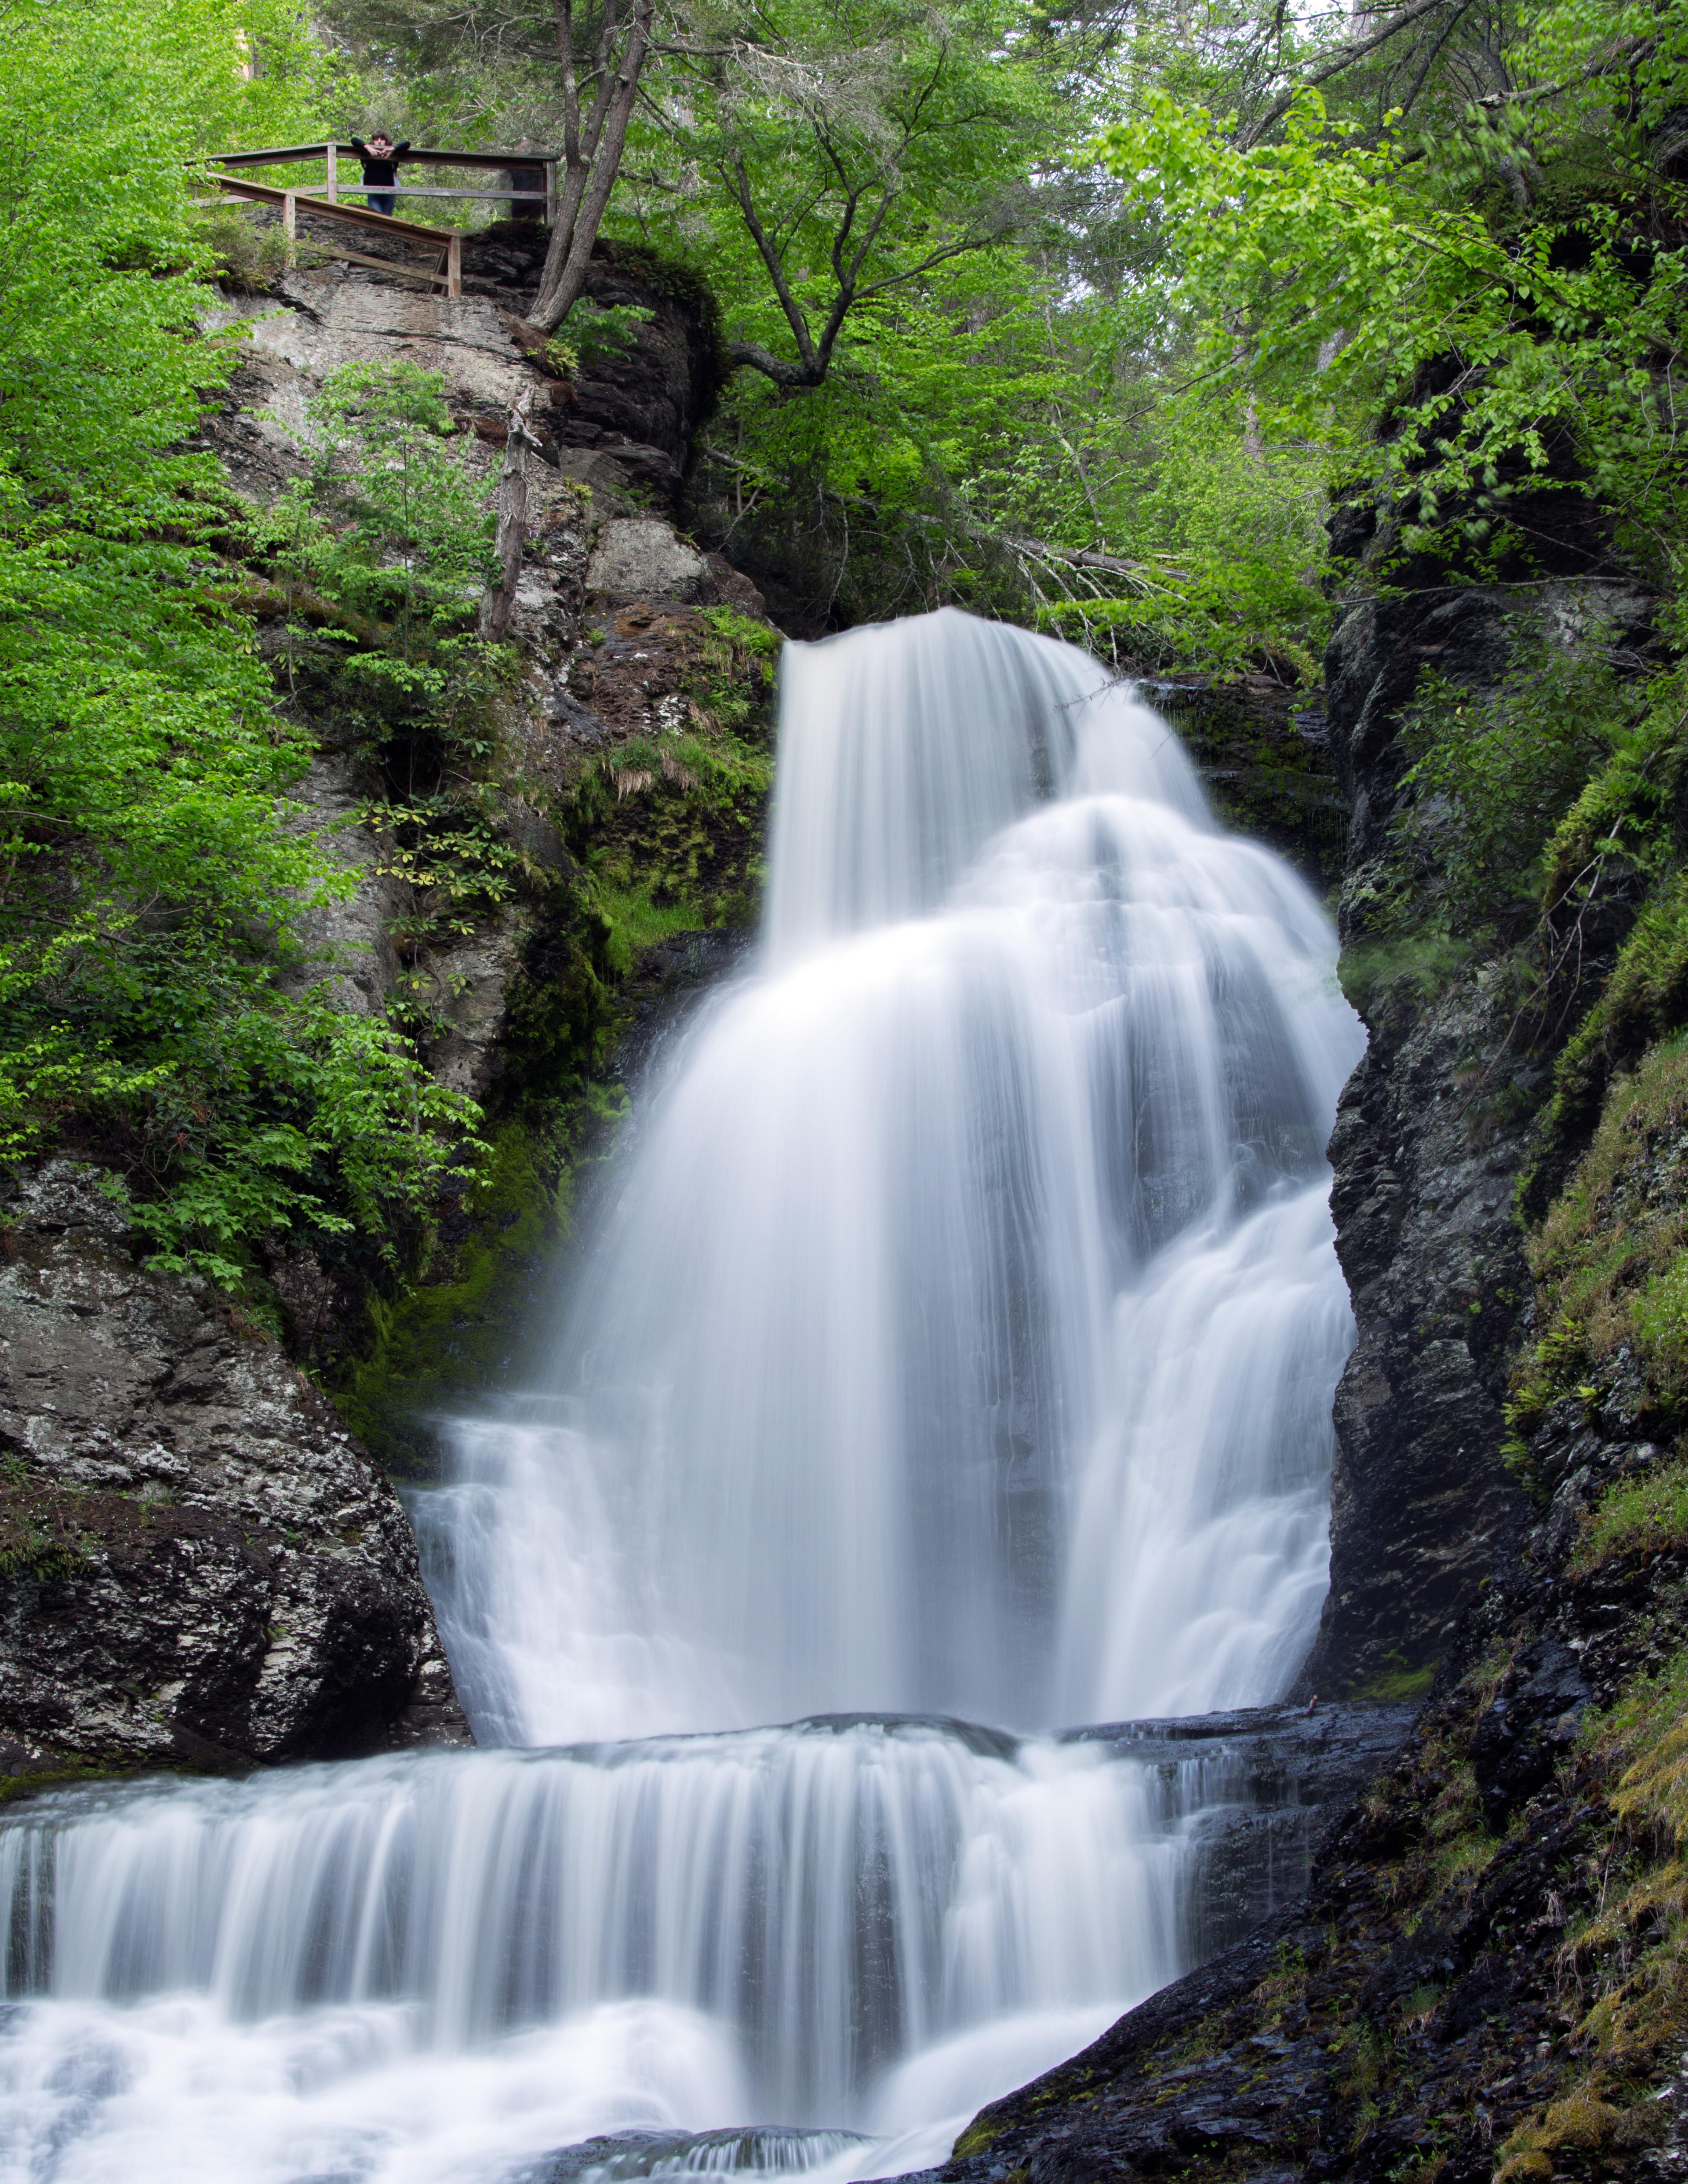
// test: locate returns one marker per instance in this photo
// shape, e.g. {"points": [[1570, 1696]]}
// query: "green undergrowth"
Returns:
{"points": [[1626, 826], [1636, 1516], [1611, 1259], [637, 922], [1495, 772], [667, 831], [1424, 964], [1624, 1964], [671, 828]]}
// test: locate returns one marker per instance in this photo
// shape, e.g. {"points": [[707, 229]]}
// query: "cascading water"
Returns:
{"points": [[958, 1347]]}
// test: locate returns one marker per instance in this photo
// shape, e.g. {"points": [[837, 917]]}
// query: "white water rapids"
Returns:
{"points": [[956, 1346]]}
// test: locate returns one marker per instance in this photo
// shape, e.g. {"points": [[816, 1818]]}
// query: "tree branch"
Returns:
{"points": [[787, 301], [1344, 57]]}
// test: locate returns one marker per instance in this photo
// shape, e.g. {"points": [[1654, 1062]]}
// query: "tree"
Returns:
{"points": [[1505, 276], [152, 879], [593, 143], [862, 146], [528, 69]]}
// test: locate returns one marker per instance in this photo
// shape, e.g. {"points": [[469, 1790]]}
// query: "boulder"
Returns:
{"points": [[198, 1565]]}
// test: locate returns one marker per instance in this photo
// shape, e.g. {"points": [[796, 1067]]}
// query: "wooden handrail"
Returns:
{"points": [[358, 215], [291, 154], [292, 201], [427, 156]]}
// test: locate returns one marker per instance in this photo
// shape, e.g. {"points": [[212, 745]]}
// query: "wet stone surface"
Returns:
{"points": [[197, 1563]]}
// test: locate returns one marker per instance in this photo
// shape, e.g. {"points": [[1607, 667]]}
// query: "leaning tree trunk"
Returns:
{"points": [[592, 154], [512, 514]]}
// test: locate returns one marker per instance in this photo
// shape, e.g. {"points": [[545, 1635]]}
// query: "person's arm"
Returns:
{"points": [[400, 149], [360, 148]]}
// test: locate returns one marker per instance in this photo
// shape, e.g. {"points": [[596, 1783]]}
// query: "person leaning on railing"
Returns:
{"points": [[381, 157]]}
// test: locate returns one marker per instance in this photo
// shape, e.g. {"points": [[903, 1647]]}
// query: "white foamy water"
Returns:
{"points": [[956, 1345]]}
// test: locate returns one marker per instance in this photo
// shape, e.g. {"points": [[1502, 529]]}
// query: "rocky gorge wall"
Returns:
{"points": [[629, 780], [202, 1564]]}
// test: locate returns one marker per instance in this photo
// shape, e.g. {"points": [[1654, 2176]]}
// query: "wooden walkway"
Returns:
{"points": [[447, 243]]}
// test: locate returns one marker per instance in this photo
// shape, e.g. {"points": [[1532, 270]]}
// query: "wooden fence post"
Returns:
{"points": [[331, 188], [453, 266]]}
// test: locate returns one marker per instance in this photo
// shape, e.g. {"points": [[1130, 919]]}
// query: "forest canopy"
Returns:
{"points": [[1010, 284]]}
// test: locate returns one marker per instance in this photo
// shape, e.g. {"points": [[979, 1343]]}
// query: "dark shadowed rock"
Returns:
{"points": [[1527, 1727], [1426, 1154], [197, 1564]]}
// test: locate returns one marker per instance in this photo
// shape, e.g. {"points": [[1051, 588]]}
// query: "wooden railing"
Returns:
{"points": [[475, 161], [449, 274]]}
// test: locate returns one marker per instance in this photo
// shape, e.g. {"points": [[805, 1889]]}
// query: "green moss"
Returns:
{"points": [[639, 922], [671, 831], [55, 1771], [1636, 1516], [449, 1330], [976, 2137], [1611, 1258], [1398, 1683]]}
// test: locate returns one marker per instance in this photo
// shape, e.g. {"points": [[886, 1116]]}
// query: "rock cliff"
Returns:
{"points": [[630, 778], [200, 1566]]}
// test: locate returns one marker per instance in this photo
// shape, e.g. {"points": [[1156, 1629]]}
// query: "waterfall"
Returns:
{"points": [[950, 1363], [963, 1336]]}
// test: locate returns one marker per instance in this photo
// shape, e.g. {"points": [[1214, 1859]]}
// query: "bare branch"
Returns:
{"points": [[1345, 57]]}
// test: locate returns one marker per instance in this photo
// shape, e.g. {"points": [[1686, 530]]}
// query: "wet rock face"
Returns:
{"points": [[1425, 1157], [1430, 1137], [1436, 1991], [197, 1564], [1527, 1727], [1255, 1789]]}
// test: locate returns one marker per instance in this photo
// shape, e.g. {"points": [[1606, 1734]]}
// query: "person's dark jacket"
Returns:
{"points": [[379, 174]]}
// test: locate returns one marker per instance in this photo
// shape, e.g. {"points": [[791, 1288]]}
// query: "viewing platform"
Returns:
{"points": [[531, 182]]}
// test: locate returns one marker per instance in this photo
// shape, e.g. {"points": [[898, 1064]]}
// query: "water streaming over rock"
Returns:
{"points": [[956, 1346]]}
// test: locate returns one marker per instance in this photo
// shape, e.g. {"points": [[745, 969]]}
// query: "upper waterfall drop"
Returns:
{"points": [[905, 746], [962, 1335]]}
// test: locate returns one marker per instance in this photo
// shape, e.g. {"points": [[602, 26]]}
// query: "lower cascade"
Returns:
{"points": [[950, 1367]]}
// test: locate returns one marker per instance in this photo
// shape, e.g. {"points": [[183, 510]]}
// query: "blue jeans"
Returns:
{"points": [[382, 201]]}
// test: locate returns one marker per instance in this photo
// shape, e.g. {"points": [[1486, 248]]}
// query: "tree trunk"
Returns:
{"points": [[512, 509], [591, 167]]}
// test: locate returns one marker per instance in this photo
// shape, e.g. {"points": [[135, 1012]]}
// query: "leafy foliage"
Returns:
{"points": [[1495, 771], [152, 872], [388, 532], [1343, 268]]}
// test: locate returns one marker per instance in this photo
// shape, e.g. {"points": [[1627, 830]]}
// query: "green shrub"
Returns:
{"points": [[1611, 1258], [152, 874], [1494, 774]]}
